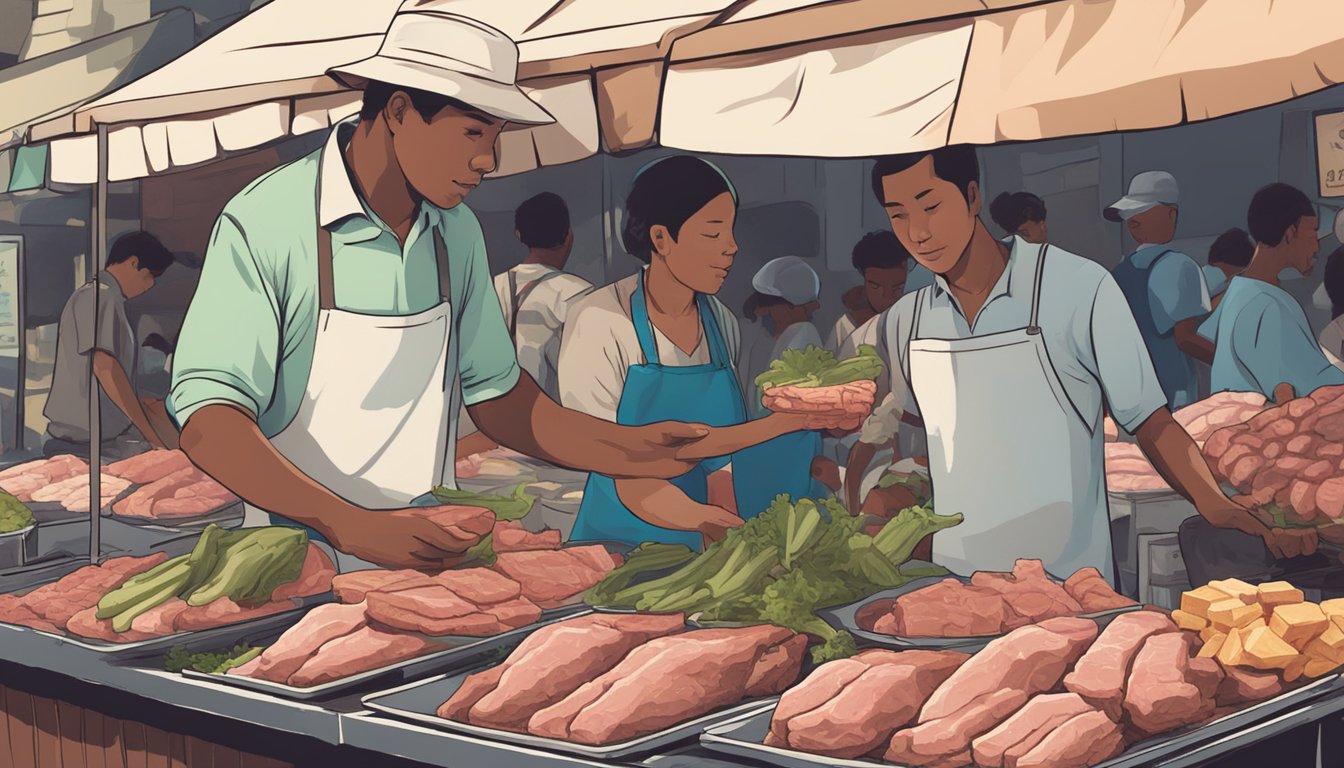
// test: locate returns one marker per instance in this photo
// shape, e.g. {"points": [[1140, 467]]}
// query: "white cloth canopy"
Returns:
{"points": [[869, 77], [263, 78]]}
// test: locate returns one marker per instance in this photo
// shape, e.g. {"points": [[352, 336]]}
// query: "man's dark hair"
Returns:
{"points": [[957, 164], [1233, 248], [151, 253], [377, 94], [880, 249], [1274, 209], [668, 192], [542, 221], [1010, 210], [1334, 281]]}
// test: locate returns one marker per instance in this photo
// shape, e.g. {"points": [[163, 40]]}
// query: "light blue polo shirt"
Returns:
{"points": [[1262, 338], [1215, 279], [250, 331]]}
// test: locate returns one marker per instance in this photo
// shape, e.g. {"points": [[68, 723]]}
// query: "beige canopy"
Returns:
{"points": [[595, 64], [867, 77]]}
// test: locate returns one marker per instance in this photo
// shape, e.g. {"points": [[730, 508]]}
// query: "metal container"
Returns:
{"points": [[18, 548]]}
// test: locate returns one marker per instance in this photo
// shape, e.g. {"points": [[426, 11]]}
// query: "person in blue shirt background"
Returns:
{"points": [[1164, 287], [1262, 339], [1229, 255]]}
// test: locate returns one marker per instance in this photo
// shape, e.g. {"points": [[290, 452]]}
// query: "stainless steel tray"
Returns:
{"points": [[845, 617], [464, 650], [418, 702], [743, 736]]}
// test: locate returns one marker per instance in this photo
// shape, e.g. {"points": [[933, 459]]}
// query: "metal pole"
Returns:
{"points": [[97, 256]]}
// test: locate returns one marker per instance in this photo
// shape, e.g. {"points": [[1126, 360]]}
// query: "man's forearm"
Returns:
{"points": [[226, 443], [1191, 343], [660, 503], [1178, 460], [114, 381]]}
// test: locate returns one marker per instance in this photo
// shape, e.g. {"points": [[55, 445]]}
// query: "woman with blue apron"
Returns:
{"points": [[679, 218]]}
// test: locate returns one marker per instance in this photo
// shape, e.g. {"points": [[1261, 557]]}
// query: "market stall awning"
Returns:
{"points": [[264, 78], [867, 77], [52, 85]]}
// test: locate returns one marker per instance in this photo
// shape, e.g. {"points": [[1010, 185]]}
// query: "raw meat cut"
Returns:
{"points": [[512, 537], [73, 493], [663, 682], [1100, 674], [945, 609], [315, 578], [1159, 695], [1094, 593], [360, 651], [854, 399], [1128, 470], [23, 480], [481, 586], [1028, 594], [225, 611], [318, 627], [56, 603], [855, 717], [150, 466], [184, 492], [1020, 733], [161, 620], [1242, 685], [437, 610], [551, 664], [947, 741], [551, 578], [474, 520], [86, 624], [354, 587], [1088, 739]]}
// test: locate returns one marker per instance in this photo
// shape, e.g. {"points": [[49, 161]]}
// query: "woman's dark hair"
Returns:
{"points": [[1334, 281], [1274, 209], [377, 94], [1233, 248], [668, 192], [542, 221], [957, 164], [151, 253], [1010, 210], [758, 300], [880, 249]]}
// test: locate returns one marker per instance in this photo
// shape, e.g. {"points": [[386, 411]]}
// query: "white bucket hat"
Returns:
{"points": [[430, 49], [789, 278], [1146, 191]]}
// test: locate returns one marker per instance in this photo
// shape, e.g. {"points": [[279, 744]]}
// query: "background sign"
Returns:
{"points": [[1330, 153]]}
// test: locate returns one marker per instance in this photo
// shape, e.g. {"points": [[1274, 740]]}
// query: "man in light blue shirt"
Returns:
{"points": [[1164, 287], [1263, 341]]}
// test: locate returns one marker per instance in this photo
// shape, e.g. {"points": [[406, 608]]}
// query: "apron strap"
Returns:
{"points": [[639, 315], [326, 287], [441, 259], [1034, 328]]}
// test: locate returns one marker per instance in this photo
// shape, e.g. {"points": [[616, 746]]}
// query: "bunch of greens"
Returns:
{"points": [[816, 367], [209, 662], [778, 568], [14, 515], [245, 566], [515, 506]]}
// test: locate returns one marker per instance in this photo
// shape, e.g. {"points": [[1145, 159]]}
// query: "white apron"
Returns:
{"points": [[1009, 451], [376, 424]]}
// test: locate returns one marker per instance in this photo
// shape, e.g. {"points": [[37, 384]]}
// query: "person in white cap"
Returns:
{"points": [[783, 302], [1165, 288], [346, 306]]}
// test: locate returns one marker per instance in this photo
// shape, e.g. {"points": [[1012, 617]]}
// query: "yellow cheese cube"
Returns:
{"points": [[1318, 667], [1212, 646], [1298, 623], [1206, 634], [1188, 621], [1229, 613], [1197, 601], [1295, 669], [1276, 593], [1329, 646], [1333, 608], [1230, 654], [1258, 623], [1246, 593], [1263, 649]]}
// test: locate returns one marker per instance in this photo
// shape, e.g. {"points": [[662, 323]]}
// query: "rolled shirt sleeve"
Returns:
{"points": [[1178, 291], [229, 348], [488, 361], [1123, 366]]}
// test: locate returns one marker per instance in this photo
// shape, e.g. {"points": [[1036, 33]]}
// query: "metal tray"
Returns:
{"points": [[465, 650], [418, 702], [743, 736], [233, 511], [845, 617]]}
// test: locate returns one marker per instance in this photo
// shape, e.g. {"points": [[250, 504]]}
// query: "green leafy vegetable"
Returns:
{"points": [[217, 662], [816, 367], [14, 515], [515, 506]]}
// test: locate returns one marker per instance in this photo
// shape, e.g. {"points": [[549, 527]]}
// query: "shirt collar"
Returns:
{"points": [[339, 206], [110, 282], [1004, 286], [1144, 257]]}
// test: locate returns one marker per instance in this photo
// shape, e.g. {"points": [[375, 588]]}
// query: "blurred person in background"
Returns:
{"points": [[883, 263], [1021, 214], [1229, 255], [784, 300]]}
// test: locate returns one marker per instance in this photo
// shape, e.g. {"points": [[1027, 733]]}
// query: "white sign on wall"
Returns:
{"points": [[9, 298], [1330, 153]]}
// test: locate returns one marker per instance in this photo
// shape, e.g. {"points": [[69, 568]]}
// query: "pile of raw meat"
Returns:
{"points": [[1057, 694], [70, 604], [61, 480], [1129, 471], [610, 678], [170, 487], [386, 617], [1291, 455], [853, 401], [992, 604]]}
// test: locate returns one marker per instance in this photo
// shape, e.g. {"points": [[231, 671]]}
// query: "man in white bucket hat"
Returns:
{"points": [[345, 306]]}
